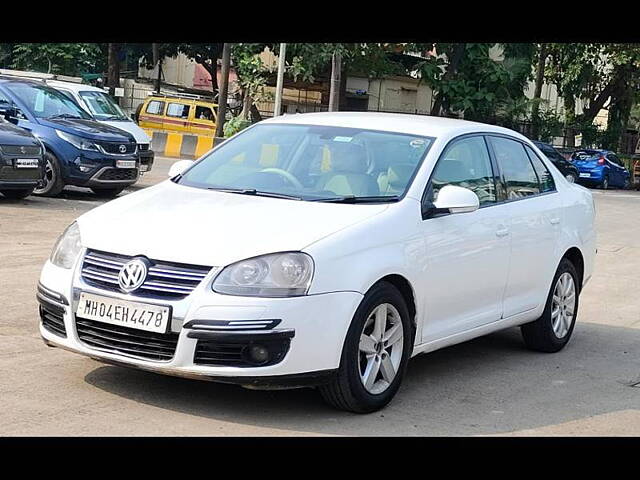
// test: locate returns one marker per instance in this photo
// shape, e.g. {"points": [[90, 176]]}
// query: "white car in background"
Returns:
{"points": [[325, 250], [99, 104]]}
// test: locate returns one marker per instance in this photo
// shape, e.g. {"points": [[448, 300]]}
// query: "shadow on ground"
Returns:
{"points": [[486, 386]]}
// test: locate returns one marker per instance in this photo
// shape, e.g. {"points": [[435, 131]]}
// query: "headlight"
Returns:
{"points": [[78, 142], [275, 275], [67, 248]]}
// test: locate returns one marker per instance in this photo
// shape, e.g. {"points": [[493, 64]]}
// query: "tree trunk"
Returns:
{"points": [[334, 92], [224, 88], [537, 92], [247, 101], [158, 61], [113, 69], [456, 58], [570, 119]]}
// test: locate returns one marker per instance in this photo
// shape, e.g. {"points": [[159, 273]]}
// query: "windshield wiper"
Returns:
{"points": [[354, 199], [253, 191], [64, 115]]}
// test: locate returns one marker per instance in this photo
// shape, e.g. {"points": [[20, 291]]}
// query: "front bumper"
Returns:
{"points": [[91, 169], [316, 326], [146, 160]]}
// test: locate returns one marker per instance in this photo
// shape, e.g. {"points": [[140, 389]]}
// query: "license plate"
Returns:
{"points": [[585, 174], [26, 163], [142, 316], [125, 164], [144, 168]]}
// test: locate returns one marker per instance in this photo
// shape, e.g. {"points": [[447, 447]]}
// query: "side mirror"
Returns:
{"points": [[452, 199], [10, 114], [179, 167]]}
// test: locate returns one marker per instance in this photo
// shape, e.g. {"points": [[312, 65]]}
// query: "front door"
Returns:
{"points": [[467, 253]]}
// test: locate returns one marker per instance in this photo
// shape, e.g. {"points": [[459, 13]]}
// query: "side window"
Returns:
{"points": [[178, 110], [546, 179], [615, 159], [204, 113], [519, 175], [155, 107], [465, 163]]}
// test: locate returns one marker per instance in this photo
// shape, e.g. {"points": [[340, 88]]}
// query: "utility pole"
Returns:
{"points": [[113, 68], [224, 89], [278, 106], [334, 92]]}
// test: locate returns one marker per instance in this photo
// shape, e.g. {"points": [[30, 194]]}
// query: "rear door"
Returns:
{"points": [[535, 222], [177, 116], [617, 175]]}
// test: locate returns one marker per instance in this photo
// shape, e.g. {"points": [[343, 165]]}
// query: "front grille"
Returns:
{"points": [[52, 319], [164, 279], [119, 174], [20, 150], [130, 341], [115, 148], [224, 354]]}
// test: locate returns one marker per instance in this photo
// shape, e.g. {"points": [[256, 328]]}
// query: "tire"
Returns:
{"points": [[541, 335], [347, 390], [107, 192], [605, 182], [627, 184], [16, 194], [53, 183], [571, 178]]}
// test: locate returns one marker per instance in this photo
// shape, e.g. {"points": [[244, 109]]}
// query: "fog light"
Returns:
{"points": [[258, 354]]}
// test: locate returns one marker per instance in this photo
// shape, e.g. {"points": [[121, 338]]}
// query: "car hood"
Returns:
{"points": [[88, 128], [183, 224], [12, 135], [130, 127]]}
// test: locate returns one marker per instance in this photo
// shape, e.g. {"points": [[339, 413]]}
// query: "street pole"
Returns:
{"points": [[158, 61], [224, 89], [334, 92], [278, 106]]}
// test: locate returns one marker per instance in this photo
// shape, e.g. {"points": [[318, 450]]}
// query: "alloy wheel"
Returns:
{"points": [[563, 305], [380, 349], [571, 178], [49, 177]]}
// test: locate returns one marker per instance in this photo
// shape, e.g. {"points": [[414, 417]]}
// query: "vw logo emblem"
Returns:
{"points": [[23, 150], [132, 275], [123, 148]]}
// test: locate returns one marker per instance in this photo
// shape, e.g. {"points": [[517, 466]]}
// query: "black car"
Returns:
{"points": [[569, 170], [21, 164]]}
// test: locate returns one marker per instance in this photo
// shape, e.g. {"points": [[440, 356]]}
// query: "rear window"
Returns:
{"points": [[585, 155]]}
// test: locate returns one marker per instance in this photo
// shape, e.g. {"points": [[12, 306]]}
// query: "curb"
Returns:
{"points": [[182, 145]]}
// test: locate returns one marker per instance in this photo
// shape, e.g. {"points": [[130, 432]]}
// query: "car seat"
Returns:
{"points": [[348, 172]]}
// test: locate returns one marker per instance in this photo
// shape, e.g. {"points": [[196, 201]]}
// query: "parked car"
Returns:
{"points": [[21, 163], [79, 150], [178, 114], [601, 168], [103, 109], [326, 249], [569, 170]]}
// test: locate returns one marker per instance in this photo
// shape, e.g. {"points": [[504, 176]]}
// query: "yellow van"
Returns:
{"points": [[178, 114]]}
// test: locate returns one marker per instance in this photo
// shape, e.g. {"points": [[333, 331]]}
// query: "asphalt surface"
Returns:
{"points": [[488, 386]]}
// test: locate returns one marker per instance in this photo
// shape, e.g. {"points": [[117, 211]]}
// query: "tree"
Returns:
{"points": [[63, 58], [207, 55]]}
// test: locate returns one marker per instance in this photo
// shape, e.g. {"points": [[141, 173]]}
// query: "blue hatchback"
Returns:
{"points": [[79, 150], [601, 168]]}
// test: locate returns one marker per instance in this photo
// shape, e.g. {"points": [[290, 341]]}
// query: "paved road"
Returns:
{"points": [[489, 386]]}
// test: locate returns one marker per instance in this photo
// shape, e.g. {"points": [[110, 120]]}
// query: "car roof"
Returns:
{"points": [[424, 125], [76, 87]]}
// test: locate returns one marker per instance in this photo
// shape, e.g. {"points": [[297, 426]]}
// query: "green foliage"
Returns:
{"points": [[63, 58], [233, 126]]}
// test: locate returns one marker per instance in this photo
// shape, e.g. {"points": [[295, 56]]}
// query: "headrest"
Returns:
{"points": [[348, 158], [452, 170], [398, 175]]}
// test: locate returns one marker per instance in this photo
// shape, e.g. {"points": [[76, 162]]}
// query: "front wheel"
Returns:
{"points": [[107, 192], [52, 183], [16, 194], [375, 353], [551, 332]]}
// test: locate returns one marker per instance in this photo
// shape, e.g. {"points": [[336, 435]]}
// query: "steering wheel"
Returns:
{"points": [[286, 175]]}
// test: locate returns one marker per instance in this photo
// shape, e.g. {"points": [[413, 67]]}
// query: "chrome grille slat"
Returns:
{"points": [[164, 279]]}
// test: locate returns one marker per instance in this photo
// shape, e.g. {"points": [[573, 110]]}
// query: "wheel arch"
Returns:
{"points": [[574, 255], [406, 290]]}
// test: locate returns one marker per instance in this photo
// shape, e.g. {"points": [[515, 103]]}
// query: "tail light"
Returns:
{"points": [[601, 161]]}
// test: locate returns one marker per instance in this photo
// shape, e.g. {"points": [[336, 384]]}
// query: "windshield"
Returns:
{"points": [[312, 163], [45, 102], [102, 106]]}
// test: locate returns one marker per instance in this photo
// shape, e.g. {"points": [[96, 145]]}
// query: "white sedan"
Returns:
{"points": [[325, 250]]}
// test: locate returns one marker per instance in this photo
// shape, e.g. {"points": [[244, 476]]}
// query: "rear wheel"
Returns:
{"points": [[605, 182], [551, 332], [571, 178], [375, 353], [52, 181], [16, 194], [627, 184], [107, 192]]}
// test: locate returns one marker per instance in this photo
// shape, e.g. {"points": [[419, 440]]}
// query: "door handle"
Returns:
{"points": [[501, 232], [554, 220]]}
